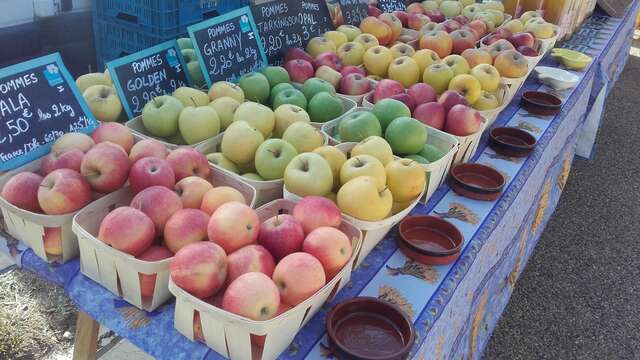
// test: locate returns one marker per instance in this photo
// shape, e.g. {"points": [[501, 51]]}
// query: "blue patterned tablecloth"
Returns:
{"points": [[454, 307]]}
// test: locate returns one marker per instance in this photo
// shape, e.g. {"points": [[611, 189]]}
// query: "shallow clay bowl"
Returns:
{"points": [[369, 329], [511, 141], [430, 240], [476, 181], [541, 103]]}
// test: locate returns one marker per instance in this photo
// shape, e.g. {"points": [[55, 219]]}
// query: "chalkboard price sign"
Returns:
{"points": [[228, 46], [316, 19], [39, 102], [140, 77], [280, 28], [354, 11], [392, 5]]}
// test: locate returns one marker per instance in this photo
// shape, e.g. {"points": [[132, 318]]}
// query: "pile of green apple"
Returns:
{"points": [[371, 185], [191, 59], [102, 98]]}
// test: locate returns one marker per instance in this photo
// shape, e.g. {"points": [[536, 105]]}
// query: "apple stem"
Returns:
{"points": [[193, 101], [383, 190], [155, 102], [359, 162]]}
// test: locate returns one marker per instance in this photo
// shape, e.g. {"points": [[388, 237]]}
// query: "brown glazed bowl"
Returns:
{"points": [[476, 181], [511, 141], [430, 240], [541, 103], [366, 328]]}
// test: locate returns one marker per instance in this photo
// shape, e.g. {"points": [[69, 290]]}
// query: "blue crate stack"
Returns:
{"points": [[122, 27]]}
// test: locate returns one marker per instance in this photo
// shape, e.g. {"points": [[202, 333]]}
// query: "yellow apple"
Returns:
{"points": [[406, 179], [487, 75], [286, 115], [540, 28], [257, 115], [511, 64], [424, 58], [498, 16], [336, 158], [467, 86], [404, 70], [374, 146], [361, 199], [336, 37], [377, 60], [438, 76], [240, 142], [363, 165], [351, 31], [514, 25], [487, 101], [303, 136], [351, 53], [527, 15], [318, 45], [402, 49], [466, 2], [457, 63], [493, 5], [367, 41]]}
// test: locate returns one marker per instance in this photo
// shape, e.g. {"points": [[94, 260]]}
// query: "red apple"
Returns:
{"points": [[406, 99], [386, 88], [106, 167], [431, 114], [422, 93], [147, 147], [329, 59], [373, 10], [527, 51], [351, 69], [128, 230], [148, 281], [522, 39], [298, 276], [503, 32], [416, 21], [22, 191], [331, 247], [451, 25], [297, 54], [200, 268], [52, 241], [313, 212], [63, 191], [186, 161], [184, 227], [251, 258], [451, 98], [74, 140], [435, 16], [416, 8], [461, 19], [480, 27], [491, 39], [151, 171], [462, 40], [354, 84], [70, 159], [281, 235], [463, 121], [234, 225], [191, 190], [115, 133], [403, 16], [299, 70], [158, 203], [253, 295]]}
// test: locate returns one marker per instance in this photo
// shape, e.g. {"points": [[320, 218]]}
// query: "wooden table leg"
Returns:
{"points": [[85, 345]]}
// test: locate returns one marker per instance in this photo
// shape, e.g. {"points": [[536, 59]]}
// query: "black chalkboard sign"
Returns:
{"points": [[279, 26], [228, 46], [140, 77], [39, 102], [316, 19], [354, 11], [392, 5]]}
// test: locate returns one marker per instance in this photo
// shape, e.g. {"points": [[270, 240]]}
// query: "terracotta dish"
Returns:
{"points": [[476, 181], [511, 141], [430, 240], [541, 103]]}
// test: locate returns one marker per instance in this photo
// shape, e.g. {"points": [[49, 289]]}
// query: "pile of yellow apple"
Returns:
{"points": [[102, 98]]}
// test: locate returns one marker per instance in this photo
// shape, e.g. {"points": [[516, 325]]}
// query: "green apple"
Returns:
{"points": [[406, 136], [376, 147], [439, 76], [308, 174], [185, 43], [303, 136], [226, 108], [253, 176], [277, 89], [431, 153], [220, 160], [387, 110], [286, 115], [160, 116], [257, 115], [193, 67], [255, 87], [103, 102], [358, 126], [87, 80], [324, 107], [276, 75], [191, 97], [240, 142], [225, 88], [417, 158], [176, 139], [272, 157], [315, 86], [351, 31], [290, 96], [197, 124]]}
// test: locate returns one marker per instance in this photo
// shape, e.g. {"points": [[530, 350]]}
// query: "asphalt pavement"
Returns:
{"points": [[579, 296]]}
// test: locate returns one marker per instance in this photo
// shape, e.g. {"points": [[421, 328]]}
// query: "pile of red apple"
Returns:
{"points": [[259, 270], [521, 34]]}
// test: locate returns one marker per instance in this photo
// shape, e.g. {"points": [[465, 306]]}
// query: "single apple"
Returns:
{"points": [[363, 165], [438, 41], [106, 167], [499, 47], [272, 157], [511, 64], [219, 195], [240, 142], [475, 57], [281, 235], [74, 140], [52, 241], [406, 136], [197, 124], [358, 126], [91, 79], [160, 116], [355, 84], [329, 59], [303, 137], [200, 268], [463, 121], [457, 63], [416, 21], [424, 58], [386, 110], [480, 27], [540, 28], [468, 86], [289, 96], [336, 37], [226, 108], [318, 45], [286, 115], [331, 247], [329, 75], [361, 199], [252, 295], [394, 23], [259, 116], [251, 258], [70, 159], [351, 53], [386, 88], [438, 77], [189, 96], [299, 70], [324, 107], [378, 28], [147, 148], [128, 230], [62, 191], [297, 54], [374, 146], [233, 225], [103, 102], [367, 41], [184, 227], [487, 101], [401, 49], [314, 86], [158, 203], [351, 31], [275, 75], [450, 8], [308, 174], [22, 189], [462, 40], [488, 76], [191, 190], [451, 98], [188, 162], [406, 179], [422, 93], [377, 60], [432, 114], [222, 89], [298, 276]]}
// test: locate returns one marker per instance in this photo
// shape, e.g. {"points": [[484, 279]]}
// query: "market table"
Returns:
{"points": [[455, 307]]}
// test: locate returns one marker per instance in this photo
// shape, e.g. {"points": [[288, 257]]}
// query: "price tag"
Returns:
{"points": [[389, 6], [140, 77], [316, 19], [279, 23], [354, 11], [39, 102], [228, 46]]}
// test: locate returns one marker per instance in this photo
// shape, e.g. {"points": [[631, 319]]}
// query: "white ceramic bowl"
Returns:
{"points": [[558, 79]]}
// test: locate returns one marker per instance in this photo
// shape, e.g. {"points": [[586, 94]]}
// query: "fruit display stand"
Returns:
{"points": [[231, 335], [118, 271], [454, 307]]}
